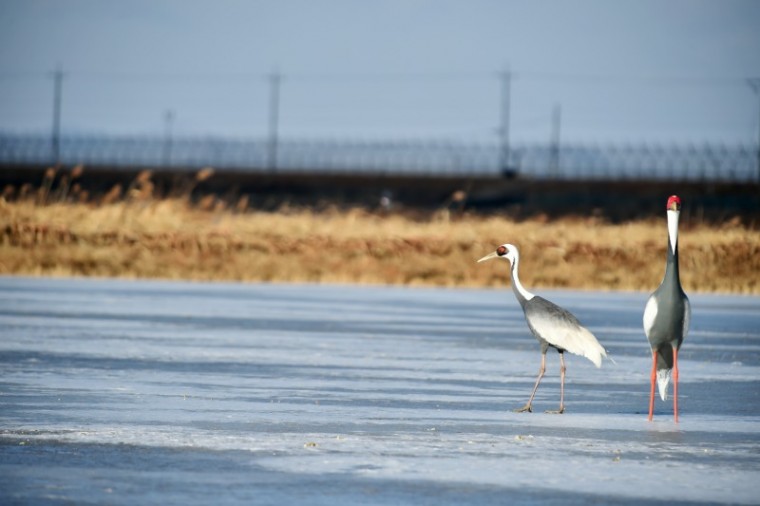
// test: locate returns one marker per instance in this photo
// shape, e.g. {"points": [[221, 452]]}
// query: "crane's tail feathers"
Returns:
{"points": [[587, 345], [663, 378], [580, 341], [596, 355]]}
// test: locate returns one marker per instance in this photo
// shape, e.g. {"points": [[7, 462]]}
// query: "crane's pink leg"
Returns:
{"points": [[528, 407], [653, 379], [675, 384], [561, 386]]}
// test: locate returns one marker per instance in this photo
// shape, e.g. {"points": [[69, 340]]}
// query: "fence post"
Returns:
{"points": [[169, 120], [274, 117], [755, 85], [56, 137], [506, 90], [554, 154]]}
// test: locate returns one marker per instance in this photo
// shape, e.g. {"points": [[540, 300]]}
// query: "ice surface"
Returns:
{"points": [[125, 392]]}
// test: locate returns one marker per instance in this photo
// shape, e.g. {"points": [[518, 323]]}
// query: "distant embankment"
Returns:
{"points": [[519, 197]]}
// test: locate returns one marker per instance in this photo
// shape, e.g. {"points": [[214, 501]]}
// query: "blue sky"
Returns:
{"points": [[622, 71]]}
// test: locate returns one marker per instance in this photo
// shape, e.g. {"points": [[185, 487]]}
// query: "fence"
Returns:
{"points": [[702, 162]]}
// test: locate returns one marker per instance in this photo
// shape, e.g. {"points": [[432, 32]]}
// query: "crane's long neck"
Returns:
{"points": [[521, 293], [672, 275]]}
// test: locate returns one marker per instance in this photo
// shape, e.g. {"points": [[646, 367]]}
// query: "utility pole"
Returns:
{"points": [[556, 124], [168, 123], [56, 137], [504, 153], [755, 85], [274, 117]]}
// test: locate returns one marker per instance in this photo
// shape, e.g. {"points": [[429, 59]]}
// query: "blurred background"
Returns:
{"points": [[151, 112], [551, 89], [633, 71]]}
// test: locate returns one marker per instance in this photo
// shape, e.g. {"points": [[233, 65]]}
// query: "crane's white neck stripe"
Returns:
{"points": [[516, 280], [673, 228]]}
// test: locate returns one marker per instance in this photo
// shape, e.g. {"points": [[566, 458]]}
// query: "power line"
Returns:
{"points": [[636, 78], [24, 75], [171, 76], [391, 76]]}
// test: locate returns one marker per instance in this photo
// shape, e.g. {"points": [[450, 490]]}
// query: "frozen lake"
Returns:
{"points": [[122, 392]]}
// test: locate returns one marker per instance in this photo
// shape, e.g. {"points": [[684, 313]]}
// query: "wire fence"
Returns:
{"points": [[690, 162]]}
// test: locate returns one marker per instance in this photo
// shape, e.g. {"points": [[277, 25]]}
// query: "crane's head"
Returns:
{"points": [[674, 203], [505, 251], [674, 211]]}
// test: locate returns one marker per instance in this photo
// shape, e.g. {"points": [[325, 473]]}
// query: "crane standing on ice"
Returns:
{"points": [[666, 317], [553, 326]]}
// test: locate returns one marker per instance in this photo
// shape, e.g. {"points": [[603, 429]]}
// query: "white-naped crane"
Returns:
{"points": [[666, 317], [553, 326]]}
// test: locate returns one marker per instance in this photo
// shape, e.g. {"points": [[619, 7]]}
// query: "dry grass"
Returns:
{"points": [[140, 237]]}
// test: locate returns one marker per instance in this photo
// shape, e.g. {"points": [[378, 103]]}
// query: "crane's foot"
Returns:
{"points": [[556, 412], [523, 409]]}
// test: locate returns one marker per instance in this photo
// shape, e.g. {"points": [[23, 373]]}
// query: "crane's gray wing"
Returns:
{"points": [[563, 330], [686, 315]]}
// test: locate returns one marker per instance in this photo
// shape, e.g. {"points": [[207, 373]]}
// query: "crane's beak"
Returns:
{"points": [[489, 257]]}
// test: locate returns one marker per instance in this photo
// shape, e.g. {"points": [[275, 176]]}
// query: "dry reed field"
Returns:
{"points": [[130, 234]]}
